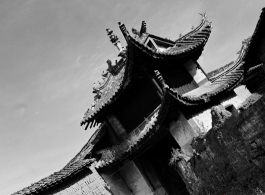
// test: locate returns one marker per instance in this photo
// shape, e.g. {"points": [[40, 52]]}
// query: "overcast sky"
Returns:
{"points": [[51, 52]]}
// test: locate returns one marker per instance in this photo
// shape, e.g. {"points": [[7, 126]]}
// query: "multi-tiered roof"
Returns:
{"points": [[141, 48]]}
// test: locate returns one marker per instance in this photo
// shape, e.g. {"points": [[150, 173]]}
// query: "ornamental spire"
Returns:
{"points": [[203, 14], [115, 41], [143, 28], [124, 30]]}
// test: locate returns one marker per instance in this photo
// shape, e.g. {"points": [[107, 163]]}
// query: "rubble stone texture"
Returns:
{"points": [[230, 158]]}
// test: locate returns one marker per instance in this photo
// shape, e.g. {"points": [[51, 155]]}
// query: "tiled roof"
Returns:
{"points": [[231, 76], [77, 164], [55, 178], [248, 48], [87, 148], [219, 70], [219, 84], [109, 92], [137, 137], [185, 46], [209, 91], [114, 85], [225, 83]]}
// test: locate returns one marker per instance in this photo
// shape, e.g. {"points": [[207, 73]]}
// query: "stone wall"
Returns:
{"points": [[230, 158], [89, 182]]}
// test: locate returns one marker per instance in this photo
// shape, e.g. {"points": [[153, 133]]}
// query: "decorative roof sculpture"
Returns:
{"points": [[188, 46]]}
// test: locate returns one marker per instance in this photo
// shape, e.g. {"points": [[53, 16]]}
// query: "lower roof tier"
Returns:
{"points": [[137, 137]]}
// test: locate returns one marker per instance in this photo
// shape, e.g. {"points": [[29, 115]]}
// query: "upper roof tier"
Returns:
{"points": [[149, 46], [163, 48]]}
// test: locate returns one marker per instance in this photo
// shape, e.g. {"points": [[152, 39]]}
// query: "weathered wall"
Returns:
{"points": [[230, 158], [92, 183]]}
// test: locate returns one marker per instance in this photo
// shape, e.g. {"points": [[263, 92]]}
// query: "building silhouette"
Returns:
{"points": [[167, 127]]}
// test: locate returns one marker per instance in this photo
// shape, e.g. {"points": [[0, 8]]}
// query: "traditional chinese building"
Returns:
{"points": [[154, 98]]}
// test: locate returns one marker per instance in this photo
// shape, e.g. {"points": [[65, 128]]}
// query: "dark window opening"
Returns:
{"points": [[231, 108]]}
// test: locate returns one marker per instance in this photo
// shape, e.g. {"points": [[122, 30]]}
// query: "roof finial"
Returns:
{"points": [[115, 40], [124, 30], [143, 28], [203, 14]]}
